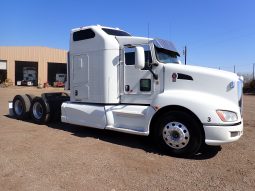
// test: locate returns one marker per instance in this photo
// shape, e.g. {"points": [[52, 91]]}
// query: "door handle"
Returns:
{"points": [[127, 88]]}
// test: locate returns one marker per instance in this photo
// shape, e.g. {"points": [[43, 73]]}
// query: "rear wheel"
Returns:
{"points": [[178, 134], [39, 112], [30, 97], [21, 106]]}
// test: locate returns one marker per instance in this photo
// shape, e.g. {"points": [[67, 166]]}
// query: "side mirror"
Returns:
{"points": [[139, 57]]}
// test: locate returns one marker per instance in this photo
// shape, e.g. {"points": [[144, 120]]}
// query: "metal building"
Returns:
{"points": [[44, 63]]}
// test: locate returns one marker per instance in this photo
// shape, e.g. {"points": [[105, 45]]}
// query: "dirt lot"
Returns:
{"points": [[68, 157]]}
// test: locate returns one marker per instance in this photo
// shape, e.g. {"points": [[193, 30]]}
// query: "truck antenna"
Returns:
{"points": [[148, 28], [185, 55]]}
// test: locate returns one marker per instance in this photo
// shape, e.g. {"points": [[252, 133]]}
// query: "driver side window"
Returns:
{"points": [[130, 56]]}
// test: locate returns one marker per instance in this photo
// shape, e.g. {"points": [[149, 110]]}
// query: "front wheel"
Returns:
{"points": [[178, 133]]}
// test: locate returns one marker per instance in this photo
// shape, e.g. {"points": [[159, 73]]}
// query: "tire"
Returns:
{"points": [[178, 134], [39, 111], [30, 97], [21, 107]]}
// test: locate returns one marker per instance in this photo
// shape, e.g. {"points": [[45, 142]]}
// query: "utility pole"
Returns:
{"points": [[253, 71], [185, 55]]}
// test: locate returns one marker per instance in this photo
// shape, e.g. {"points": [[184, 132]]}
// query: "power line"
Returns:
{"points": [[237, 66], [235, 69]]}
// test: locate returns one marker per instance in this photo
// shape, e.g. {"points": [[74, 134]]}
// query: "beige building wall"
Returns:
{"points": [[42, 55]]}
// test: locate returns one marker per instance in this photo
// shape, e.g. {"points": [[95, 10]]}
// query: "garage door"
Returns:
{"points": [[27, 71], [54, 69]]}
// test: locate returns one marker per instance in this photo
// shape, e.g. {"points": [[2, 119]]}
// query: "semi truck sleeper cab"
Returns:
{"points": [[138, 85]]}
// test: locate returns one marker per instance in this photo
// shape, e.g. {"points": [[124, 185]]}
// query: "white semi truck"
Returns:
{"points": [[137, 85]]}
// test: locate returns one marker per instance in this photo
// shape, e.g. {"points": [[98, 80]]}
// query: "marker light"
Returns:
{"points": [[227, 116]]}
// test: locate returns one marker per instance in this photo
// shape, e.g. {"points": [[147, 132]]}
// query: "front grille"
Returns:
{"points": [[240, 95]]}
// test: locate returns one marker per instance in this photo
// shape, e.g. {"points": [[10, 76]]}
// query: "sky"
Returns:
{"points": [[217, 33]]}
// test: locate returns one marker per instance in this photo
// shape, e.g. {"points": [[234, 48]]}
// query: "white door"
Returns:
{"points": [[81, 77], [138, 84]]}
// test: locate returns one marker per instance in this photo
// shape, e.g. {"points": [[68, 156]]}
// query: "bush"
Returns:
{"points": [[249, 87]]}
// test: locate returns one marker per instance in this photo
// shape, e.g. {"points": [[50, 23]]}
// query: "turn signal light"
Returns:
{"points": [[227, 116]]}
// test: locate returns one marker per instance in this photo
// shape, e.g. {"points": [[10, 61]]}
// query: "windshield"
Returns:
{"points": [[166, 56]]}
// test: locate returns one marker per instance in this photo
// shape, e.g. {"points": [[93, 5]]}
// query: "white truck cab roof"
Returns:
{"points": [[104, 28], [123, 38]]}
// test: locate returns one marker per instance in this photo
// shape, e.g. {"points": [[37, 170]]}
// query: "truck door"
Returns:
{"points": [[138, 85], [80, 77]]}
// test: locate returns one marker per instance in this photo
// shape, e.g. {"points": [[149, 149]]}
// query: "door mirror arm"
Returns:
{"points": [[155, 76]]}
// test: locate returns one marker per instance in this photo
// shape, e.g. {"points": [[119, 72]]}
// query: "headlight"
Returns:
{"points": [[227, 116]]}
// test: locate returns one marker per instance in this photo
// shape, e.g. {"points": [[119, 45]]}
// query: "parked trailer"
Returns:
{"points": [[138, 85]]}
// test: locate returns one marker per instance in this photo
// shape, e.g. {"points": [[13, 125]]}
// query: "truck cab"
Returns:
{"points": [[138, 85]]}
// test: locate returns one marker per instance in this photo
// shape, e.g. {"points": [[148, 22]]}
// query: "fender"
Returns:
{"points": [[202, 104]]}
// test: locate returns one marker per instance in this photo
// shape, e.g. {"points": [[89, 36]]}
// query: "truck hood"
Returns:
{"points": [[203, 70], [200, 79]]}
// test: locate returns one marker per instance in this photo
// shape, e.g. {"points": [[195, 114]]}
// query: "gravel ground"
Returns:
{"points": [[68, 157]]}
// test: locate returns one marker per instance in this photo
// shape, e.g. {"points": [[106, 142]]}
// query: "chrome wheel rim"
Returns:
{"points": [[18, 107], [37, 110], [176, 135]]}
